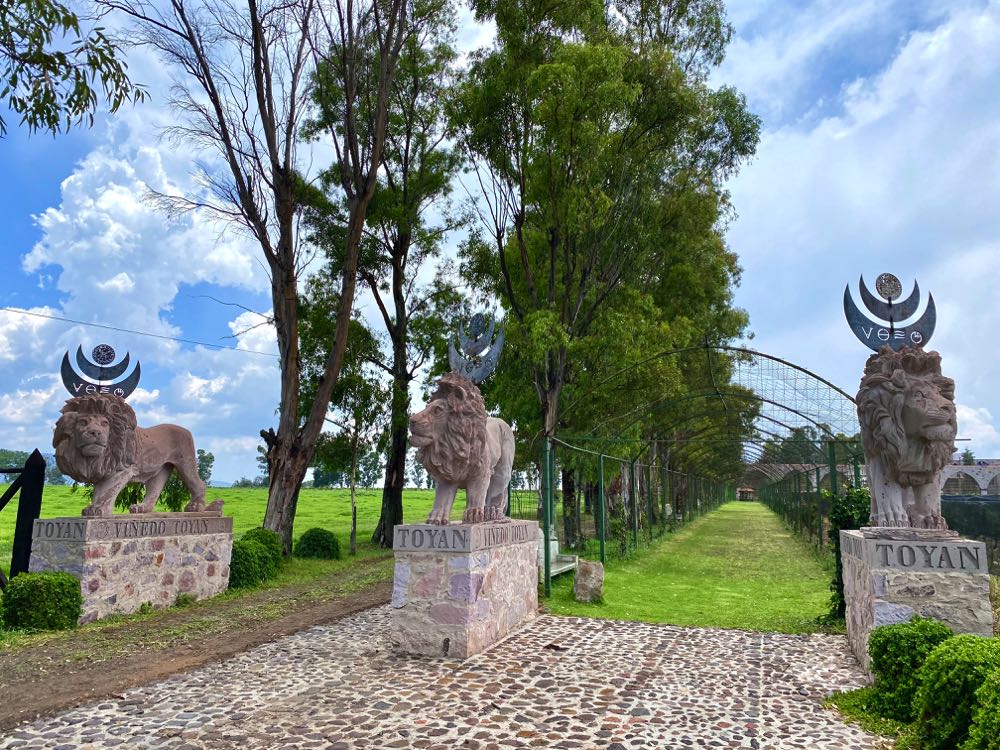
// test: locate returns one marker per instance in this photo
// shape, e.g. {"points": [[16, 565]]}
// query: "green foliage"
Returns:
{"points": [[985, 731], [52, 69], [897, 654], [271, 541], [145, 608], [968, 457], [859, 706], [949, 679], [185, 600], [318, 543], [42, 601], [850, 510], [249, 565], [205, 462]]}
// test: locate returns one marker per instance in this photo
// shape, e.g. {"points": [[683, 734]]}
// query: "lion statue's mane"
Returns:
{"points": [[120, 452], [97, 441], [908, 425], [461, 446]]}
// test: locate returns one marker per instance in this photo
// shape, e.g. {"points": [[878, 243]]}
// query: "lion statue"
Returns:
{"points": [[97, 441], [907, 412], [462, 447]]}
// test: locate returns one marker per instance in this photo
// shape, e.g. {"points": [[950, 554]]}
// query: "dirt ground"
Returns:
{"points": [[101, 661]]}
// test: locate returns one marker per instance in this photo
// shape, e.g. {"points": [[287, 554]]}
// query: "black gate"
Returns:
{"points": [[29, 481]]}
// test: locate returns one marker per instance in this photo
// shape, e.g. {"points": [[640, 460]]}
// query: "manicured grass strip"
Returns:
{"points": [[737, 567]]}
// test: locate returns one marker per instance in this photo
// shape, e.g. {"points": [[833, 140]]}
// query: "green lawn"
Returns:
{"points": [[737, 567], [328, 509]]}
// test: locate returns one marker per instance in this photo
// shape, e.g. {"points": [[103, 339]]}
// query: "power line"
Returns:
{"points": [[136, 333]]}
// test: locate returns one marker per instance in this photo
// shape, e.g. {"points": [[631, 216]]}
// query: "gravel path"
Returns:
{"points": [[557, 683]]}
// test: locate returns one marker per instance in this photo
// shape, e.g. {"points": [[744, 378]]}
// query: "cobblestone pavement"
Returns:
{"points": [[556, 683]]}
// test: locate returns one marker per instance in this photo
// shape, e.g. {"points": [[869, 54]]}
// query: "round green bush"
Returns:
{"points": [[42, 601], [249, 564], [271, 541], [949, 679], [898, 652], [984, 734], [318, 543]]}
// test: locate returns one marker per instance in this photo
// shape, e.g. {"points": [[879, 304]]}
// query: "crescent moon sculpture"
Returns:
{"points": [[79, 385], [98, 372], [477, 355], [875, 335], [891, 311]]}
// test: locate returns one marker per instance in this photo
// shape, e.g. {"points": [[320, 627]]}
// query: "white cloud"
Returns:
{"points": [[904, 176], [979, 427]]}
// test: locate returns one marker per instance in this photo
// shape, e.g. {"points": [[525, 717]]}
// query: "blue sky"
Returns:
{"points": [[880, 152]]}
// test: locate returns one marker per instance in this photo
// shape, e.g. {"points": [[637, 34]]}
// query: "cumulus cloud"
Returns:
{"points": [[902, 176]]}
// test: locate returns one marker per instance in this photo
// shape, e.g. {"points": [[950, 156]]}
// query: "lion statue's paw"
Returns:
{"points": [[215, 505], [90, 510], [437, 518], [194, 506], [474, 515]]}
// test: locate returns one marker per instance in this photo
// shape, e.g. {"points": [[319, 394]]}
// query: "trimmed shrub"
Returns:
{"points": [[318, 543], [249, 564], [847, 511], [898, 652], [949, 679], [42, 601], [271, 541], [985, 731]]}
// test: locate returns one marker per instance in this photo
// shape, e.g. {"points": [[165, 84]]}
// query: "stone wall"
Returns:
{"points": [[459, 589], [888, 580], [127, 560]]}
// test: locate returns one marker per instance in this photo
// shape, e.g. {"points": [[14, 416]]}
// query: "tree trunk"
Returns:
{"points": [[288, 469], [395, 464]]}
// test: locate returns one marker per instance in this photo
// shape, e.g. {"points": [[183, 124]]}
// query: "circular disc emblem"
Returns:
{"points": [[888, 286], [103, 354]]}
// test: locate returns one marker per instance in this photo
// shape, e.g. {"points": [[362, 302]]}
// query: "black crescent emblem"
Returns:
{"points": [[881, 310], [876, 335], [97, 372], [78, 385]]}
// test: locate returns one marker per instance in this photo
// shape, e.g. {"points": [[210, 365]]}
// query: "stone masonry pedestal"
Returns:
{"points": [[458, 589], [124, 561], [890, 575]]}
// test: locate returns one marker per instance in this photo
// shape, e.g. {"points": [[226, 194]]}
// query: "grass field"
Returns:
{"points": [[738, 567], [328, 509]]}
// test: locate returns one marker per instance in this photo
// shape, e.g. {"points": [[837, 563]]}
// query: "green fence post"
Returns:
{"points": [[819, 494], [600, 507], [547, 514], [635, 504], [832, 454], [857, 472], [649, 499]]}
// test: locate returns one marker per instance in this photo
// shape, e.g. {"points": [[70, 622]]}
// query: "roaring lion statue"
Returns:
{"points": [[97, 441], [462, 447], [907, 412]]}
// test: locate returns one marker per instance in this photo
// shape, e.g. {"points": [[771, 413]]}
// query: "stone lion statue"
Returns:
{"points": [[97, 441], [907, 412], [462, 447]]}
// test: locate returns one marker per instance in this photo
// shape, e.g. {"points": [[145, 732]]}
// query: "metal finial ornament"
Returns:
{"points": [[880, 329], [478, 353], [101, 370]]}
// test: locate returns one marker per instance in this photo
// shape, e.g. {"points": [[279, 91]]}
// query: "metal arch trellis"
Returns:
{"points": [[765, 401]]}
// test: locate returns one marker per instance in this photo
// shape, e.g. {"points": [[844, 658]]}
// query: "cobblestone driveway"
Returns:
{"points": [[558, 683]]}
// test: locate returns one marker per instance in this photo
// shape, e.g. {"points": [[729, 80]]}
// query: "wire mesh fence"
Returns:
{"points": [[803, 497], [607, 507]]}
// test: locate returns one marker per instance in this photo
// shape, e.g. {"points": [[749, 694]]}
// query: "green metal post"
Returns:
{"points": [[600, 506], [510, 497], [547, 514], [649, 499], [819, 496], [832, 453], [635, 504], [857, 472]]}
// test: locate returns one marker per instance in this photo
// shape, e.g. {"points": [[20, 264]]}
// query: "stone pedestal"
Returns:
{"points": [[890, 575], [123, 561], [459, 589]]}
